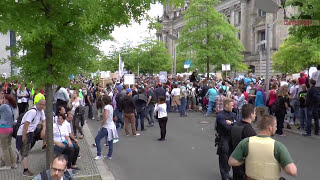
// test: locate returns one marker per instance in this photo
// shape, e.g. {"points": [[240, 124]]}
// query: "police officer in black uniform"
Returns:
{"points": [[240, 131], [224, 123]]}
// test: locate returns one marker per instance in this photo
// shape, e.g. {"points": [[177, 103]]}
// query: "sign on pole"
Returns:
{"points": [[226, 67], [129, 79], [163, 76]]}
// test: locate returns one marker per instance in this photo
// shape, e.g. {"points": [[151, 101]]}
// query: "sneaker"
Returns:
{"points": [[150, 125], [282, 135], [27, 173], [79, 157], [106, 144], [137, 134], [93, 118], [115, 141], [14, 166], [127, 134], [5, 168], [306, 134], [97, 158], [108, 157], [161, 139]]}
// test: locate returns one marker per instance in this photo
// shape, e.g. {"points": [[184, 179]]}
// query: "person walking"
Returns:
{"points": [[140, 101], [152, 99], [302, 107], [312, 103], [175, 101], [263, 156], [89, 102], [108, 129], [161, 113], [75, 102], [23, 98], [6, 124], [62, 97], [240, 131], [211, 94], [129, 111], [282, 104], [260, 103]]}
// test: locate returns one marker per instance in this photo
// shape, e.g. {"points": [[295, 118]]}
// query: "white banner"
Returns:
{"points": [[163, 76], [226, 67], [129, 79]]}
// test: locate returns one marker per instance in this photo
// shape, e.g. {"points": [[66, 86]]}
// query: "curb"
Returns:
{"points": [[105, 173], [300, 133]]}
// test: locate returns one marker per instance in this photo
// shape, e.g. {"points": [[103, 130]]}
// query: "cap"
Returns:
{"points": [[128, 90]]}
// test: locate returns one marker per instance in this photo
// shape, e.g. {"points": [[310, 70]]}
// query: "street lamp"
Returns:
{"points": [[269, 6], [174, 38]]}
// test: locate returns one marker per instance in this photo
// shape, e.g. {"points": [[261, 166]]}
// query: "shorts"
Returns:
{"points": [[24, 147], [176, 101]]}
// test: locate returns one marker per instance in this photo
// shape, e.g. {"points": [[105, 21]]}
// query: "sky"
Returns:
{"points": [[135, 32]]}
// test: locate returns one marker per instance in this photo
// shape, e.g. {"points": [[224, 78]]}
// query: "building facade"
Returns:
{"points": [[243, 14], [6, 68]]}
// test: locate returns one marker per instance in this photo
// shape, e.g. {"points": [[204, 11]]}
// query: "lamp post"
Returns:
{"points": [[174, 38], [269, 6]]}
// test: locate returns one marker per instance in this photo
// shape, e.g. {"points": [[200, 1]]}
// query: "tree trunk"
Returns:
{"points": [[49, 109], [208, 67], [49, 124]]}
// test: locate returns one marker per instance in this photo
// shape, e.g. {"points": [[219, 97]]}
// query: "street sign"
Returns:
{"points": [[163, 76], [268, 6]]}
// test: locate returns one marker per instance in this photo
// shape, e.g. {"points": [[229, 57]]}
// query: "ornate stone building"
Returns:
{"points": [[243, 15]]}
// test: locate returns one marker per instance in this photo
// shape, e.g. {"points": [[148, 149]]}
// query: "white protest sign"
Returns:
{"points": [[163, 76], [129, 79], [226, 67]]}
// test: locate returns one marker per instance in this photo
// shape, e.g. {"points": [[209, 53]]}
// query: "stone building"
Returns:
{"points": [[243, 14], [9, 39]]}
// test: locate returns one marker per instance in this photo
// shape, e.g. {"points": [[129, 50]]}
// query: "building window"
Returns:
{"points": [[262, 37], [261, 13], [238, 18]]}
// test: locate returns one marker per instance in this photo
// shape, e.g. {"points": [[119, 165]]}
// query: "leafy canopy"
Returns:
{"points": [[208, 35]]}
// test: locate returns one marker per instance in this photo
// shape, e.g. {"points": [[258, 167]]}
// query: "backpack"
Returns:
{"points": [[275, 105], [236, 135], [119, 99], [17, 125]]}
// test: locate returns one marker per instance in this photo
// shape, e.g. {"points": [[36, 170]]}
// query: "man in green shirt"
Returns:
{"points": [[263, 156]]}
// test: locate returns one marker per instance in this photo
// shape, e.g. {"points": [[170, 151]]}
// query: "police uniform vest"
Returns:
{"points": [[227, 116], [260, 162]]}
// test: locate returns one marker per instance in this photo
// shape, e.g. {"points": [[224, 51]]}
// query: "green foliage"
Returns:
{"points": [[152, 57], [301, 49], [60, 37], [296, 54], [209, 36]]}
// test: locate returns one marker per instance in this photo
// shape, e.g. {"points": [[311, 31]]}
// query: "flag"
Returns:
{"points": [[121, 65]]}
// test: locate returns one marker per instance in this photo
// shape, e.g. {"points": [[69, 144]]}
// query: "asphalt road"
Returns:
{"points": [[188, 152]]}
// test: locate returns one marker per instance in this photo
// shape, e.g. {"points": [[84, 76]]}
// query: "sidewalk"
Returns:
{"points": [[87, 164]]}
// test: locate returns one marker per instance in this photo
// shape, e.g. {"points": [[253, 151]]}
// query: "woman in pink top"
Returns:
{"points": [[272, 94], [6, 124]]}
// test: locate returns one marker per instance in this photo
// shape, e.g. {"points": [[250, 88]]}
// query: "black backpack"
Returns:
{"points": [[17, 125], [275, 105]]}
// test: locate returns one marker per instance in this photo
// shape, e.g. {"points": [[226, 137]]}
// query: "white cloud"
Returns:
{"points": [[134, 33]]}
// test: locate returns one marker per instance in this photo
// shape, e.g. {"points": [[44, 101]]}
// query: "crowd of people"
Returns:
{"points": [[234, 100]]}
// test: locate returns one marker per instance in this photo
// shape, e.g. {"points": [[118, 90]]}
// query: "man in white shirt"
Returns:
{"points": [[62, 97], [29, 123], [316, 76]]}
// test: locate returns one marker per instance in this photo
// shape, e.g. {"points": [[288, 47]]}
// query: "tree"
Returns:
{"points": [[296, 54], [209, 36], [301, 49], [60, 37]]}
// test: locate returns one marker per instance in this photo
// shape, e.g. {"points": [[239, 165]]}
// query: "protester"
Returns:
{"points": [[107, 129], [161, 114], [312, 103], [211, 94], [140, 101], [57, 171], [8, 103], [129, 111], [26, 130]]}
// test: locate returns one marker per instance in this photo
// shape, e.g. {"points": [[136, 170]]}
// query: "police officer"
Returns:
{"points": [[239, 131], [224, 123]]}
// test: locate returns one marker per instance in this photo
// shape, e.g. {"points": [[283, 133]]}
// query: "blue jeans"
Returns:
{"points": [[183, 106], [119, 122], [149, 113], [140, 115], [303, 116], [168, 106], [210, 106], [103, 133], [312, 112]]}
